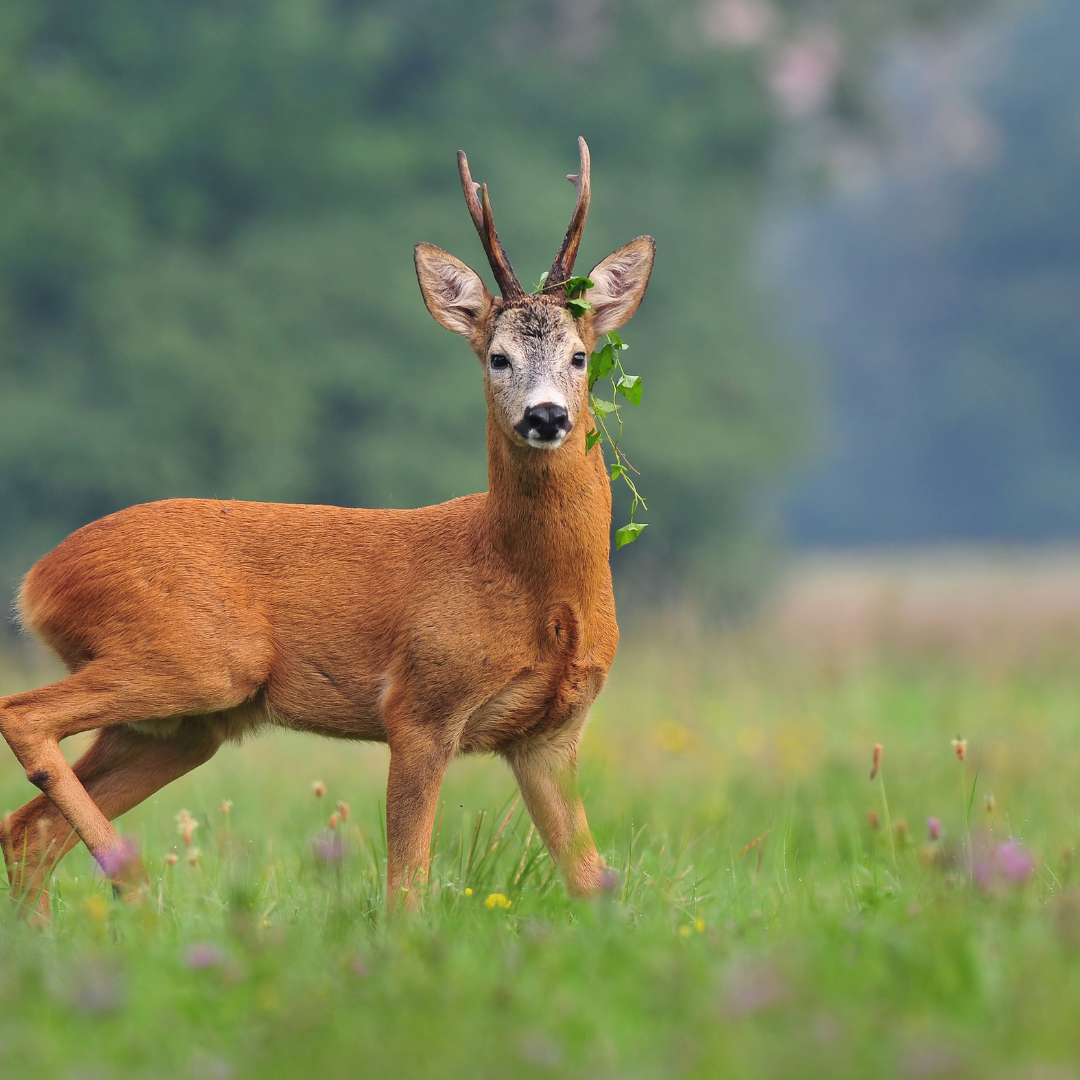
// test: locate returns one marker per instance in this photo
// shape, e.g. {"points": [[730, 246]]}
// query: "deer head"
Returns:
{"points": [[534, 352]]}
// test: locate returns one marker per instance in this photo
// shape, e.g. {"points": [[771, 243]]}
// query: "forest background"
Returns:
{"points": [[208, 210]]}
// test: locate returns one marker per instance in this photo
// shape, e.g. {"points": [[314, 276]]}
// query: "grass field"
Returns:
{"points": [[778, 913]]}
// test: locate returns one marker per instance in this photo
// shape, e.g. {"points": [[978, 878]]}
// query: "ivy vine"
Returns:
{"points": [[606, 363]]}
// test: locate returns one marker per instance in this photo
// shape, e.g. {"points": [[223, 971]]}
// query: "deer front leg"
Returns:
{"points": [[417, 763], [547, 776]]}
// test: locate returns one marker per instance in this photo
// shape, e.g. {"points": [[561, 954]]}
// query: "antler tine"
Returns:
{"points": [[563, 266], [485, 226], [470, 188]]}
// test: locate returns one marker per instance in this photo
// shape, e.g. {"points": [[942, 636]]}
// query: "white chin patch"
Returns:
{"points": [[546, 444]]}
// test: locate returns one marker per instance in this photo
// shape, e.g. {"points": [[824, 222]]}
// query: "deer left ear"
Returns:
{"points": [[619, 284]]}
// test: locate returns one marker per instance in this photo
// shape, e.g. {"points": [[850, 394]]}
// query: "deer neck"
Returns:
{"points": [[549, 517]]}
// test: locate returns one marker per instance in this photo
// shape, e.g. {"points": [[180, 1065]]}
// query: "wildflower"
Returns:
{"points": [[685, 931], [699, 925], [334, 820], [1015, 864], [118, 858], [96, 908], [343, 810], [328, 849], [468, 892], [172, 858], [226, 806], [872, 817], [990, 802], [929, 855], [497, 900], [193, 856], [203, 955], [934, 829], [753, 987], [318, 788], [186, 825], [1005, 864], [877, 761], [960, 746], [95, 985]]}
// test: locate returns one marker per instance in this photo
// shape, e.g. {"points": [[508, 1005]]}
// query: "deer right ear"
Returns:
{"points": [[454, 294]]}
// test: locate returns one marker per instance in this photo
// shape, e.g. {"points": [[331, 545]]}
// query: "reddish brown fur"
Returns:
{"points": [[486, 624]]}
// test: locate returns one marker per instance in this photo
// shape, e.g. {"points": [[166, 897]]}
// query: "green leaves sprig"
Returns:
{"points": [[606, 364]]}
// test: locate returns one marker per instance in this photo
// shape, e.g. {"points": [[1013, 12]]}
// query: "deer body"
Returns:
{"points": [[486, 624]]}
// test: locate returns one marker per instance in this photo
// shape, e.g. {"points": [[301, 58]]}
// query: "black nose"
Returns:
{"points": [[545, 421]]}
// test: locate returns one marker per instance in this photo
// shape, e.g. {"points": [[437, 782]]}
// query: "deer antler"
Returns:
{"points": [[485, 226], [563, 266]]}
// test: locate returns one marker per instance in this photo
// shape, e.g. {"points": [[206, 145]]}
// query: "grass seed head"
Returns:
{"points": [[876, 765], [334, 820], [318, 789], [875, 821], [343, 810], [226, 806], [186, 826], [960, 747], [172, 859]]}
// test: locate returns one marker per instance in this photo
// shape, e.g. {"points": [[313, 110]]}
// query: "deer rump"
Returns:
{"points": [[314, 618]]}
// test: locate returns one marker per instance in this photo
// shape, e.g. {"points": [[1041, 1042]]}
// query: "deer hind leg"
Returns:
{"points": [[33, 723], [121, 769], [546, 772]]}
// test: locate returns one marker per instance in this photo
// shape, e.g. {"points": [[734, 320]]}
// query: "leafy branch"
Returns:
{"points": [[605, 363]]}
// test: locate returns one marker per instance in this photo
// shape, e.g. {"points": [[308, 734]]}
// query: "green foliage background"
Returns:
{"points": [[207, 213]]}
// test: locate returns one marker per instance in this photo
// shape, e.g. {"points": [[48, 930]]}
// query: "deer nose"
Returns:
{"points": [[546, 421]]}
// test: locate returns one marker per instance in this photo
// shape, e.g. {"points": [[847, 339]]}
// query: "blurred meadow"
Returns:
{"points": [[777, 913], [860, 443]]}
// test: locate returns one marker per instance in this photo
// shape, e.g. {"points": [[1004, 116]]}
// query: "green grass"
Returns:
{"points": [[816, 952]]}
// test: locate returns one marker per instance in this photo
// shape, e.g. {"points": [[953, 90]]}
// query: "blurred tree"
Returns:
{"points": [[944, 294], [207, 213]]}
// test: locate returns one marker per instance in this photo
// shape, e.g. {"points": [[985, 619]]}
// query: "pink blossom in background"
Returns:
{"points": [[328, 849], [115, 860], [739, 23], [203, 955], [933, 828], [801, 75], [1001, 864]]}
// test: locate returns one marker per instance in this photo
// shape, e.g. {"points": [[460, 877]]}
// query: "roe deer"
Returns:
{"points": [[485, 624]]}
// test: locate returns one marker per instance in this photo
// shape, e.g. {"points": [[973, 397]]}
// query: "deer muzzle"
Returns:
{"points": [[544, 425]]}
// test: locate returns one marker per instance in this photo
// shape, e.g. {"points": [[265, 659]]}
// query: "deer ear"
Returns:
{"points": [[619, 284], [454, 294]]}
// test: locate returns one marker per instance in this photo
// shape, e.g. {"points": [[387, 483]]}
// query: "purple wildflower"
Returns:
{"points": [[203, 955], [328, 849], [1003, 864], [934, 829], [118, 859]]}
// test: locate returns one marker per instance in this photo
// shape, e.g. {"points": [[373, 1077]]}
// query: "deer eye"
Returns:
{"points": [[579, 360], [499, 362]]}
